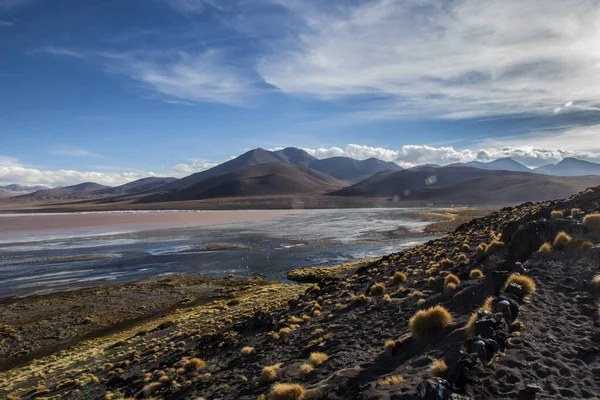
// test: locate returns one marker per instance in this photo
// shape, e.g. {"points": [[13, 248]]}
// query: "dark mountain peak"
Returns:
{"points": [[295, 156]]}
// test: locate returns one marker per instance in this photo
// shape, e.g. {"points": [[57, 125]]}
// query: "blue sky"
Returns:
{"points": [[115, 90]]}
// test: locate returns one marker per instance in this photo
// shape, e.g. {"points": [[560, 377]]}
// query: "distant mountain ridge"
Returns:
{"points": [[14, 190], [468, 185], [570, 167], [501, 164]]}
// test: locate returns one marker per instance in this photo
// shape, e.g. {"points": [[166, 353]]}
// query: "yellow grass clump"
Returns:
{"points": [[523, 280], [545, 248], [377, 289], [317, 358], [390, 345], [398, 278], [429, 320], [390, 380], [481, 249], [592, 221], [269, 373], [287, 391], [247, 351], [447, 263], [476, 273], [493, 246], [450, 283], [561, 241], [575, 211], [193, 364], [596, 282], [438, 368], [557, 214], [488, 304], [470, 328], [306, 369]]}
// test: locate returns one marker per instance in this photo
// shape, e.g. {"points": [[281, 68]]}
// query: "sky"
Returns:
{"points": [[111, 90]]}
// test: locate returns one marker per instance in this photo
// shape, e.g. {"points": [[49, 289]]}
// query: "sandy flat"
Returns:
{"points": [[131, 220]]}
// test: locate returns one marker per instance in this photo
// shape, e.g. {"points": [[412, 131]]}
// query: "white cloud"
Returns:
{"points": [[459, 59], [411, 155], [12, 171], [181, 170]]}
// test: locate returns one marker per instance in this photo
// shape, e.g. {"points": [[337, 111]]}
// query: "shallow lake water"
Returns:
{"points": [[36, 260]]}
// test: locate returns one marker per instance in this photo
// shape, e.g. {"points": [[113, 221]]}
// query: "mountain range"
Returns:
{"points": [[261, 173], [14, 190]]}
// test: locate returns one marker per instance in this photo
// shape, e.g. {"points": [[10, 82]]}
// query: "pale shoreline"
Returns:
{"points": [[19, 223]]}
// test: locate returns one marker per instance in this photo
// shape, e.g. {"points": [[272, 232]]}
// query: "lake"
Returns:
{"points": [[40, 253]]}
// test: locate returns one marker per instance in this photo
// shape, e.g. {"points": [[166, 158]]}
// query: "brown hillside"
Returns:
{"points": [[260, 180]]}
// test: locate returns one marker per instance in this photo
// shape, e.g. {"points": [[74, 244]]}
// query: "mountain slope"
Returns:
{"points": [[346, 168], [14, 190], [248, 159], [501, 164], [468, 185], [140, 186], [259, 180], [80, 191], [570, 167], [296, 156]]}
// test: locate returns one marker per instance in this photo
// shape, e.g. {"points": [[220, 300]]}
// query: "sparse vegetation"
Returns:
{"points": [[470, 328], [561, 241], [557, 214], [377, 289], [389, 346], [545, 248], [595, 283], [450, 283], [287, 391], [269, 373], [390, 380], [247, 351], [398, 278], [427, 321], [526, 282], [317, 358], [494, 246], [306, 369], [592, 221], [193, 364], [482, 249], [475, 274], [438, 368]]}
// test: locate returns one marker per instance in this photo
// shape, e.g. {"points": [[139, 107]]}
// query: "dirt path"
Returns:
{"points": [[559, 349]]}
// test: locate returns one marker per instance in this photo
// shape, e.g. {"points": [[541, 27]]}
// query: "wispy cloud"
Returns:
{"points": [[180, 77], [73, 152], [5, 24], [459, 59]]}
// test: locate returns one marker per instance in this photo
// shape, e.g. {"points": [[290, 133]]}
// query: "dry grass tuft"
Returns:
{"points": [[475, 274], [523, 280], [377, 289], [487, 304], [557, 214], [493, 246], [269, 373], [389, 345], [193, 364], [470, 328], [438, 368], [561, 241], [575, 211], [450, 283], [398, 278], [429, 320], [247, 351], [317, 358], [447, 263], [390, 380], [287, 391], [592, 221], [596, 283], [481, 249], [545, 248], [306, 369]]}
